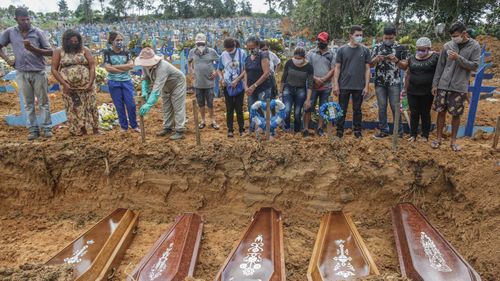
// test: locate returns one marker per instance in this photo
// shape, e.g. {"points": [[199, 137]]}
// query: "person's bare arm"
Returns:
{"points": [[368, 75], [6, 58], [91, 61], [112, 69], [39, 51], [56, 60], [125, 67], [336, 76], [265, 75], [403, 64], [406, 81]]}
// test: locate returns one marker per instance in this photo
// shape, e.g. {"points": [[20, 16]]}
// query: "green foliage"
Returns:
{"points": [[409, 42]]}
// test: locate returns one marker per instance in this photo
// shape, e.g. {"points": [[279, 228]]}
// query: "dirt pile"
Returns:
{"points": [[36, 273]]}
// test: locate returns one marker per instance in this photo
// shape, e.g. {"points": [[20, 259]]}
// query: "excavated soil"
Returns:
{"points": [[51, 191]]}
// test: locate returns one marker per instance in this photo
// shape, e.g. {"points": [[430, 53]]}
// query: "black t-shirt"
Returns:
{"points": [[421, 74], [254, 72], [300, 77]]}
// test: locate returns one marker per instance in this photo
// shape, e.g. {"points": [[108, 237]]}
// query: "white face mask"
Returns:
{"points": [[358, 39], [201, 48], [458, 39], [297, 61]]}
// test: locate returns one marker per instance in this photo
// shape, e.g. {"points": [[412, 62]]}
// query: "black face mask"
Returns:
{"points": [[322, 45]]}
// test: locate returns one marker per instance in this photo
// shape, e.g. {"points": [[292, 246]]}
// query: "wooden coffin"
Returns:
{"points": [[259, 254], [424, 254], [339, 251], [98, 252], [174, 255]]}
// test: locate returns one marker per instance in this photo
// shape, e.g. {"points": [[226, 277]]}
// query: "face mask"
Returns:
{"points": [[457, 39], [255, 51], [119, 45], [322, 45], [422, 54], [297, 61], [389, 43], [358, 39], [201, 48]]}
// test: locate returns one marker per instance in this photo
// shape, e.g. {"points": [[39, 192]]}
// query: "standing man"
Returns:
{"points": [[459, 57], [30, 45], [201, 64], [162, 78], [352, 76], [387, 57], [322, 59]]}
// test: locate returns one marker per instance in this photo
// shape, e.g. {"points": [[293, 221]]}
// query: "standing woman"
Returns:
{"points": [[118, 63], [74, 67], [297, 79], [418, 87], [231, 75]]}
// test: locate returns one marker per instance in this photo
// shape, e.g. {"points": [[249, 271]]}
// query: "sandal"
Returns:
{"points": [[455, 147], [435, 144], [412, 139], [202, 125], [215, 126]]}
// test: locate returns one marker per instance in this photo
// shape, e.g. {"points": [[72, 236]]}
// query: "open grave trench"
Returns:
{"points": [[50, 194]]}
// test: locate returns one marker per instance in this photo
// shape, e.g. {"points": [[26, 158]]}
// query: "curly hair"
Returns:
{"points": [[67, 46]]}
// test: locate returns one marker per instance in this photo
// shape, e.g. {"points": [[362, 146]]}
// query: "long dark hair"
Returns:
{"points": [[66, 45]]}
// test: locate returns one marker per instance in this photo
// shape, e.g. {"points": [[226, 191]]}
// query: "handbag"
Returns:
{"points": [[239, 87]]}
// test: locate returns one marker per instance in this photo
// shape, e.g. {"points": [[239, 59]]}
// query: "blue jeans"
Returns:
{"points": [[293, 96], [262, 96], [321, 95], [122, 93], [384, 94]]}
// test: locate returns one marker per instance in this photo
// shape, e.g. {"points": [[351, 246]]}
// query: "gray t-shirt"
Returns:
{"points": [[322, 64], [352, 70], [203, 66], [25, 60]]}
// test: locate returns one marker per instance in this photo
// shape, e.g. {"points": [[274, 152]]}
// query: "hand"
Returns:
{"points": [[27, 44], [234, 84], [307, 104], [223, 83], [434, 91], [250, 90], [392, 58], [452, 55], [336, 90], [318, 82], [66, 88], [365, 91], [145, 108], [379, 58], [89, 86], [403, 93], [213, 75]]}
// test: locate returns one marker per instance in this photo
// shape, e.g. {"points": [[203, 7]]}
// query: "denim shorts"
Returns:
{"points": [[321, 95], [205, 96]]}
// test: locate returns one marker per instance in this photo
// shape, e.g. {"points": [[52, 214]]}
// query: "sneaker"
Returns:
{"points": [[231, 134], [33, 136], [380, 135], [358, 135], [48, 134], [321, 132], [340, 135], [305, 133], [123, 131], [164, 132], [242, 133], [136, 129], [177, 136]]}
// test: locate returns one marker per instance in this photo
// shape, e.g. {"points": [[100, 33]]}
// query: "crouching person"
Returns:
{"points": [[162, 78]]}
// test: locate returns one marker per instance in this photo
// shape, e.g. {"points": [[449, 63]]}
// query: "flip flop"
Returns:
{"points": [[455, 147], [215, 126], [201, 126], [435, 144]]}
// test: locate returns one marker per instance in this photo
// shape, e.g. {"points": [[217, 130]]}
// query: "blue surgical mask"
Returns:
{"points": [[358, 39]]}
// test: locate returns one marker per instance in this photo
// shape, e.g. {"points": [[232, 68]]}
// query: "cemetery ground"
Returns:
{"points": [[51, 191]]}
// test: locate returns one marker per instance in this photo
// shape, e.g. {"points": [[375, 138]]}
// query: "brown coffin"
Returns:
{"points": [[174, 255], [339, 251], [97, 253], [259, 254], [424, 254]]}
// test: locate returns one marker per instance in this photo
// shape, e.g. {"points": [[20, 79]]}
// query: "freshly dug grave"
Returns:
{"points": [[52, 191]]}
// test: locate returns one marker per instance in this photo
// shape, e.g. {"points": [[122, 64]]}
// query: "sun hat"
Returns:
{"points": [[200, 38], [147, 57], [424, 42]]}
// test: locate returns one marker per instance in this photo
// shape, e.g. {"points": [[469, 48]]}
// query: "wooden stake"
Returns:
{"points": [[497, 134], [197, 129], [268, 119], [395, 130]]}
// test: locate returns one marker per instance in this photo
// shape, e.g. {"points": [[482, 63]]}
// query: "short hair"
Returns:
{"points": [[263, 43], [112, 36], [229, 43], [457, 26], [254, 40], [355, 28], [390, 30], [300, 52], [237, 43], [21, 12], [67, 35]]}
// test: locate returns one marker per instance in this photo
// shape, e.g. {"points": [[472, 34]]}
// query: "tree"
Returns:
{"points": [[84, 11], [63, 8], [230, 8], [119, 7], [102, 4], [245, 8]]}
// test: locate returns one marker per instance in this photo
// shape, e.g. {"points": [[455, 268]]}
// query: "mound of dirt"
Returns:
{"points": [[36, 273]]}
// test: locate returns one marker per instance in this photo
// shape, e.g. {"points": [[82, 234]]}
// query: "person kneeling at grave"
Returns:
{"points": [[162, 78]]}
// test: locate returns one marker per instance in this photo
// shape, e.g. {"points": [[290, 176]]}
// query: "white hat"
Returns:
{"points": [[424, 42], [200, 38], [147, 57]]}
